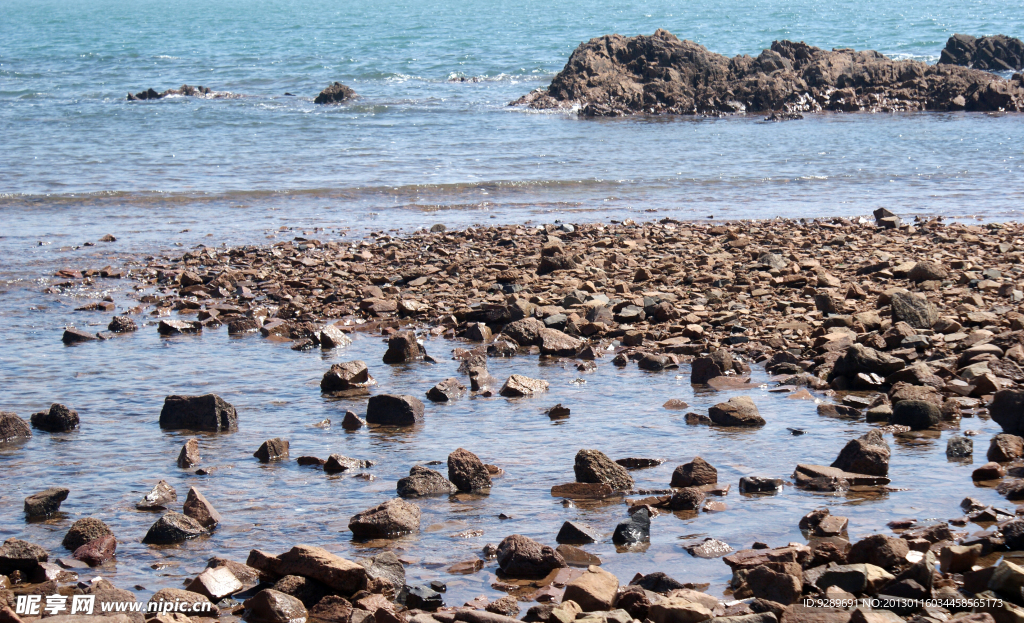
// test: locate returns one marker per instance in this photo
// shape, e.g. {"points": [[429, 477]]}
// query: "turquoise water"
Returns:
{"points": [[414, 143]]}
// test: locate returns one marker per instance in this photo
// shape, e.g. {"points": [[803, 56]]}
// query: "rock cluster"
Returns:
{"points": [[994, 53], [661, 74]]}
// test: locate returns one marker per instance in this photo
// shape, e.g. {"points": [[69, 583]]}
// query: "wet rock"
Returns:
{"points": [[240, 326], [58, 419], [447, 390], [270, 606], [199, 508], [657, 582], [760, 484], [1007, 410], [179, 327], [518, 385], [386, 520], [879, 550], [959, 447], [351, 376], [215, 583], [654, 363], [634, 463], [97, 551], [159, 498], [318, 564], [13, 428], [917, 414], [576, 533], [76, 336], [173, 528], [686, 499], [708, 548], [179, 596], [308, 591], [703, 369], [555, 343], [594, 590], [675, 404], [122, 324], [331, 337], [592, 466], [394, 410], [337, 463], [209, 413], [988, 471], [522, 557], [738, 411], [335, 93], [992, 53], [694, 474], [272, 450], [423, 481], [1005, 447], [558, 412], [582, 491], [352, 421], [959, 558], [576, 557], [866, 455], [45, 502], [633, 531], [467, 472], [85, 531], [404, 348], [18, 555], [189, 455], [480, 380]]}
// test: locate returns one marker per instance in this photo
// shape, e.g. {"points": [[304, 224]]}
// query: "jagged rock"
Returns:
{"points": [[45, 502], [13, 428], [215, 583], [518, 385], [159, 498], [1005, 447], [189, 455], [386, 520], [272, 450], [422, 482], [337, 463], [863, 359], [576, 533], [959, 447], [467, 472], [335, 93], [403, 347], [615, 75], [385, 565], [447, 390], [703, 369], [75, 336], [868, 454], [318, 564], [185, 90], [199, 508], [635, 530], [59, 419], [522, 557], [209, 412], [595, 590], [173, 528], [352, 421], [992, 53], [593, 466], [352, 377], [394, 410], [880, 550], [270, 606]]}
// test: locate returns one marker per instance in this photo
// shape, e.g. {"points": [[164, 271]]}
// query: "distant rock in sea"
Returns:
{"points": [[995, 53], [185, 90], [336, 93], [614, 76]]}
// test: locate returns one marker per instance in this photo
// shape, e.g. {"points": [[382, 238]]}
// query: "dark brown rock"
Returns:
{"points": [[209, 413], [352, 377], [59, 419], [199, 508], [522, 557], [97, 551], [272, 450], [13, 428], [189, 455], [173, 528], [335, 93], [447, 390], [394, 410], [467, 472], [85, 531], [592, 466], [45, 502], [694, 474], [738, 411], [403, 348], [868, 454]]}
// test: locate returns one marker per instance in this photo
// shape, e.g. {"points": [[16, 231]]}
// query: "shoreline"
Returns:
{"points": [[716, 298]]}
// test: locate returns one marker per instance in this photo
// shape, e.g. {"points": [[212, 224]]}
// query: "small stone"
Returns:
{"points": [[46, 502], [422, 482], [593, 466], [576, 533], [522, 557], [199, 508]]}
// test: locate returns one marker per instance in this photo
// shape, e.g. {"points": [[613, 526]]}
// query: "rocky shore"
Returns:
{"points": [[661, 74], [909, 325]]}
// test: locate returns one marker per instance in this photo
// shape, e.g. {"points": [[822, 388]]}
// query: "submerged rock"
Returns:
{"points": [[660, 74], [85, 531], [635, 530], [737, 411], [394, 410], [868, 454], [185, 91], [58, 419], [352, 377], [46, 502]]}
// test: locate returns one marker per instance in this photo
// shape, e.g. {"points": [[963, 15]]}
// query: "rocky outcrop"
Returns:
{"points": [[661, 74], [994, 53], [184, 91], [335, 93]]}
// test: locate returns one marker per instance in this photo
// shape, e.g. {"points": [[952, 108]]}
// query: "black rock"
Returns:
{"points": [[575, 533], [422, 598], [635, 530], [59, 419], [209, 413], [336, 93], [394, 410], [917, 414]]}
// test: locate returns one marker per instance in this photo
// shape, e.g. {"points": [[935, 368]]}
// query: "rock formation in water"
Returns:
{"points": [[336, 93], [661, 74], [995, 53], [185, 90]]}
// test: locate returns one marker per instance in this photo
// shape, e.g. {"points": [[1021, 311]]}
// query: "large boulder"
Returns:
{"points": [[173, 528], [467, 472], [703, 369], [351, 377], [558, 344], [209, 412], [525, 332], [615, 75], [522, 557], [1005, 447], [992, 53], [58, 419], [917, 414], [96, 552], [335, 93], [593, 466], [422, 482], [318, 564], [868, 454], [447, 390], [386, 520], [1007, 410], [394, 410], [13, 428], [738, 411], [914, 309], [880, 550], [403, 347]]}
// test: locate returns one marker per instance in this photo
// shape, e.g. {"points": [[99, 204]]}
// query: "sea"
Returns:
{"points": [[430, 140]]}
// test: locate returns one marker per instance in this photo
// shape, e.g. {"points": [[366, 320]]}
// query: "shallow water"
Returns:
{"points": [[118, 388]]}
